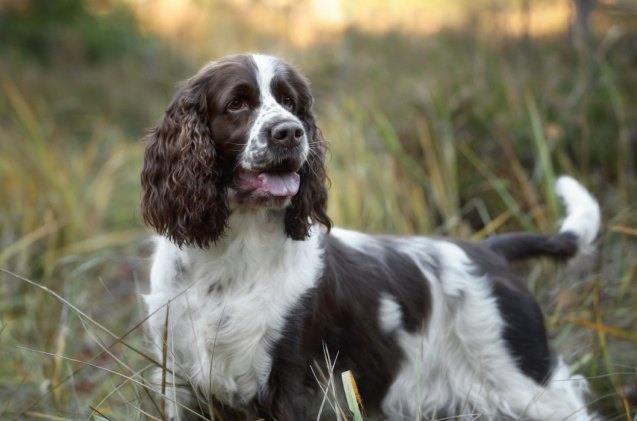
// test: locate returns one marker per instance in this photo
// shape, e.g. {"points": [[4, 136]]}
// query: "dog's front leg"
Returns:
{"points": [[286, 406], [284, 399], [176, 401]]}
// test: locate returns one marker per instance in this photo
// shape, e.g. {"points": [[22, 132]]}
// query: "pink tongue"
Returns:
{"points": [[279, 185], [283, 185]]}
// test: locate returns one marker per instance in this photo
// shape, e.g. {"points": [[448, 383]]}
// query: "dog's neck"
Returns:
{"points": [[258, 228], [254, 241]]}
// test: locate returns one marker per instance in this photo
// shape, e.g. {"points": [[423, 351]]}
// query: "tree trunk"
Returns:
{"points": [[582, 24]]}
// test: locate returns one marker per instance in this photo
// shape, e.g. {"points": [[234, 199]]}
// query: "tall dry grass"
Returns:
{"points": [[458, 133]]}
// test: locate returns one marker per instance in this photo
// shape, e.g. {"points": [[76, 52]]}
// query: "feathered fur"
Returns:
{"points": [[251, 291]]}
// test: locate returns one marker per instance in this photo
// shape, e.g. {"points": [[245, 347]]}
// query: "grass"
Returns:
{"points": [[459, 133]]}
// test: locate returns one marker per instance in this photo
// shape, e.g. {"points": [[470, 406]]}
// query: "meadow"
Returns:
{"points": [[457, 132]]}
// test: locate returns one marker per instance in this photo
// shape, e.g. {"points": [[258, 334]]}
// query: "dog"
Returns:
{"points": [[252, 287]]}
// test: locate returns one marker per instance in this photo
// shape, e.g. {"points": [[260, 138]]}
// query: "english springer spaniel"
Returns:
{"points": [[252, 291]]}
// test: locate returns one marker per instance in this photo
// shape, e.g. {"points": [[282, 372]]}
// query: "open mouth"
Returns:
{"points": [[274, 184]]}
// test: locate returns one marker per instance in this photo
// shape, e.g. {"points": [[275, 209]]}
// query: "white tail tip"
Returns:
{"points": [[583, 216]]}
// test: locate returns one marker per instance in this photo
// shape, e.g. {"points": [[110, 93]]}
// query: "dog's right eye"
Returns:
{"points": [[236, 104]]}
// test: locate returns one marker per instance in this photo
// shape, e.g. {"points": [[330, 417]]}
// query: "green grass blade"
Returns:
{"points": [[351, 394], [543, 153]]}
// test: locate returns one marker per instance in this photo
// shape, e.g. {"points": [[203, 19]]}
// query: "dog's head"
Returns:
{"points": [[239, 133]]}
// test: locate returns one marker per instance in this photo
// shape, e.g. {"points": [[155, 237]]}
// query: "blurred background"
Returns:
{"points": [[445, 117]]}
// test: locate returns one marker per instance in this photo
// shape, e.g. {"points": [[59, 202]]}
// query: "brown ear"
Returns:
{"points": [[183, 197], [309, 205]]}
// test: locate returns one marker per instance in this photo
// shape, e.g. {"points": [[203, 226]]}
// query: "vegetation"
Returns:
{"points": [[461, 132]]}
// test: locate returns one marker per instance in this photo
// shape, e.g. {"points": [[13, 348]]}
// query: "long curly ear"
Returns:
{"points": [[309, 205], [183, 197]]}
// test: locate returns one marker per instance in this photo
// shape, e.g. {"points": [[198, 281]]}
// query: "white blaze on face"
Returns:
{"points": [[269, 111]]}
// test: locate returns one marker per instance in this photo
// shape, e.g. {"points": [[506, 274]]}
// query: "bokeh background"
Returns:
{"points": [[445, 117]]}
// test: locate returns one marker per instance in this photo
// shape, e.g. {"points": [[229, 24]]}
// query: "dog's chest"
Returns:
{"points": [[236, 329], [227, 321]]}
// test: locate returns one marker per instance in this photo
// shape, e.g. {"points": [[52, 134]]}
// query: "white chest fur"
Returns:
{"points": [[228, 305]]}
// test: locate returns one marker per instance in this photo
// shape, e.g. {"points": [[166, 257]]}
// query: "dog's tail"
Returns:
{"points": [[576, 235]]}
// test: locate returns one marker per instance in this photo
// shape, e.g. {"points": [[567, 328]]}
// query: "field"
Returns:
{"points": [[459, 131]]}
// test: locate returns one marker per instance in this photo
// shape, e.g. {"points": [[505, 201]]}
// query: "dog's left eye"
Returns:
{"points": [[288, 102], [236, 104]]}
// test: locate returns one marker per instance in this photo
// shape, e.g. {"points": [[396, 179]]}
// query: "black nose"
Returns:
{"points": [[287, 134]]}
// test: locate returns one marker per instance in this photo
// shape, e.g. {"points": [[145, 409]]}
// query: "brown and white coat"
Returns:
{"points": [[252, 285]]}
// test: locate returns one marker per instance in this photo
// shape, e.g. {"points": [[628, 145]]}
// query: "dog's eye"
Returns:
{"points": [[288, 102], [236, 104]]}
